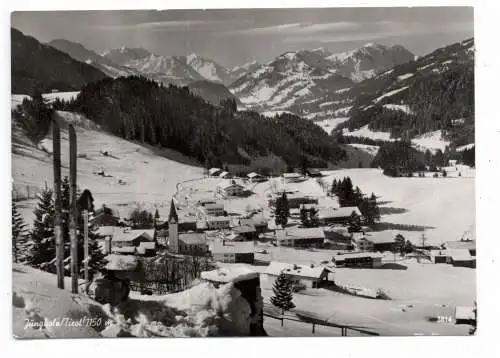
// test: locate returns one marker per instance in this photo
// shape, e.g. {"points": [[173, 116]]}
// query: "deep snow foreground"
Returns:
{"points": [[41, 310]]}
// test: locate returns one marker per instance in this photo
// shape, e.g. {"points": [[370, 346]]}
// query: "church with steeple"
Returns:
{"points": [[173, 228]]}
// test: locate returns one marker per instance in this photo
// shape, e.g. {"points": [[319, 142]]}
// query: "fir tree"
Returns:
{"points": [[18, 234], [283, 293], [42, 240], [282, 210]]}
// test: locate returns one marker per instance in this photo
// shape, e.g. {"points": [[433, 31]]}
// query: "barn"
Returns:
{"points": [[309, 275]]}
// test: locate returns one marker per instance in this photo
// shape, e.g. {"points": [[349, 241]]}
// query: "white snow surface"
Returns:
{"points": [[431, 141], [365, 132], [329, 124], [464, 147], [399, 107], [370, 149], [405, 76], [389, 94], [229, 274]]}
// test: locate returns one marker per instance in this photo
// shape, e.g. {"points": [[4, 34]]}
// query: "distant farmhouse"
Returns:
{"points": [[232, 252], [255, 177], [214, 172], [230, 189], [105, 217], [213, 209], [311, 276], [293, 177], [343, 215], [300, 237], [295, 200], [359, 259]]}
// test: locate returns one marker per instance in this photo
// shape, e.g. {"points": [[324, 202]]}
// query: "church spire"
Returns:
{"points": [[172, 217]]}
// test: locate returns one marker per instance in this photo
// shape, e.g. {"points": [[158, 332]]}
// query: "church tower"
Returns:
{"points": [[173, 229]]}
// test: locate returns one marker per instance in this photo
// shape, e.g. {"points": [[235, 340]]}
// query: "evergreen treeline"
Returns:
{"points": [[136, 108], [34, 116], [350, 196]]}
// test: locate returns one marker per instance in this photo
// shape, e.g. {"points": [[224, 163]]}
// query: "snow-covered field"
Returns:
{"points": [[330, 124], [431, 141], [370, 149], [445, 205], [134, 174], [365, 132], [17, 99]]}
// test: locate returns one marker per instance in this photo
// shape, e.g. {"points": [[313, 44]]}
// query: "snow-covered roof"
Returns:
{"points": [[214, 206], [244, 228], [130, 235], [192, 238], [357, 255], [107, 230], [291, 175], [229, 184], [121, 262], [275, 268], [253, 175], [147, 245], [465, 313], [217, 218], [232, 247], [343, 212], [229, 274], [223, 174], [459, 255], [124, 250], [212, 171], [300, 233], [381, 237], [467, 245]]}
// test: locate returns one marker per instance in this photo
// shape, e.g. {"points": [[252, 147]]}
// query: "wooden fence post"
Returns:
{"points": [[56, 157], [313, 329], [72, 212]]}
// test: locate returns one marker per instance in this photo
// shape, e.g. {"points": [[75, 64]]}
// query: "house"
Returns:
{"points": [[230, 188], [314, 173], [256, 178], [295, 200], [363, 244], [194, 244], [146, 248], [225, 175], [126, 250], [258, 221], [382, 240], [469, 245], [213, 209], [293, 177], [300, 237], [217, 222], [214, 172], [107, 231], [205, 201], [461, 258], [358, 259], [339, 238], [131, 238], [438, 256], [465, 315], [232, 252], [343, 215], [105, 217], [248, 231], [309, 275]]}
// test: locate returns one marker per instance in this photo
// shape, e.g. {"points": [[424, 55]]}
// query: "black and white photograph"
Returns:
{"points": [[287, 172]]}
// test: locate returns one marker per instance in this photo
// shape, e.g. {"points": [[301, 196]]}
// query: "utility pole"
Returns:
{"points": [[423, 239], [56, 150], [72, 211]]}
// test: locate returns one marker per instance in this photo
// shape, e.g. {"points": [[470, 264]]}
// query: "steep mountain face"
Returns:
{"points": [[209, 69], [433, 93], [238, 71], [82, 54], [313, 83], [369, 60], [124, 54], [211, 92], [42, 67]]}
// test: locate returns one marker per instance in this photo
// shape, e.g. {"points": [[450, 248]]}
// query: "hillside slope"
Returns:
{"points": [[38, 66], [134, 174]]}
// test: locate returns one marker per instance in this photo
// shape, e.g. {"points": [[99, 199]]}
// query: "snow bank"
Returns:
{"points": [[431, 141], [233, 274], [398, 107], [390, 93]]}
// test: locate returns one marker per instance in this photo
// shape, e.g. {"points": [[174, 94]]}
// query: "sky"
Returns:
{"points": [[233, 37]]}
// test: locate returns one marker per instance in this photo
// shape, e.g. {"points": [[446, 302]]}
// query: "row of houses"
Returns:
{"points": [[460, 253]]}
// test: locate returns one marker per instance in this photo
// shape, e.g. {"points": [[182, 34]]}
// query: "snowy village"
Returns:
{"points": [[142, 207]]}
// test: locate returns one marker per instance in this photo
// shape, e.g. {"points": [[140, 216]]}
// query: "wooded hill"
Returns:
{"points": [[136, 108]]}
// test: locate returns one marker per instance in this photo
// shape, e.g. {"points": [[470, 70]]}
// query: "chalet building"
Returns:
{"points": [[214, 172], [309, 275], [469, 245], [205, 201], [328, 216], [460, 258], [225, 175], [194, 244], [217, 222], [256, 178], [293, 177], [295, 200], [213, 209], [248, 231], [339, 238], [363, 244], [131, 238], [146, 249], [314, 173], [230, 189], [258, 221], [383, 240], [105, 217], [359, 260], [232, 252], [300, 237]]}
